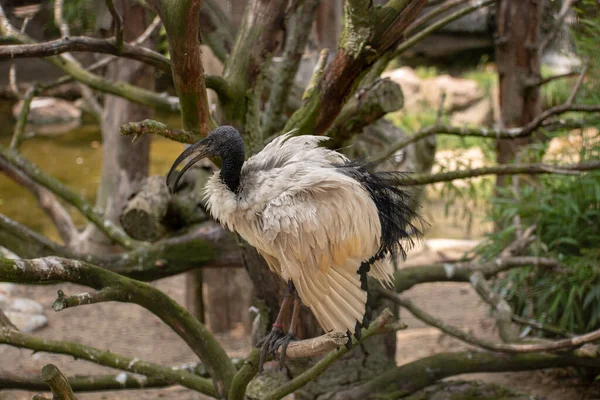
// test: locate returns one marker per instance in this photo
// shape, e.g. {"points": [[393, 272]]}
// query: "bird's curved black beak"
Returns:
{"points": [[199, 150]]}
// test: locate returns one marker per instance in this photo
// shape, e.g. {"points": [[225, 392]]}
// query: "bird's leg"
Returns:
{"points": [[363, 271], [277, 330], [291, 335]]}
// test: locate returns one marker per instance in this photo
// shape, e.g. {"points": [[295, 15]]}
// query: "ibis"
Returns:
{"points": [[322, 222]]}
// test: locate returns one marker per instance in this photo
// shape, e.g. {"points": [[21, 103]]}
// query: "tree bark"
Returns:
{"points": [[518, 60], [125, 164]]}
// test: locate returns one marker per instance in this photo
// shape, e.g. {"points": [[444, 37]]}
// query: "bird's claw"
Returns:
{"points": [[268, 346], [283, 343]]}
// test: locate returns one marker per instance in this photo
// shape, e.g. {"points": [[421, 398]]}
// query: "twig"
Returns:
{"points": [[146, 34], [118, 21], [59, 20], [564, 10], [578, 84], [105, 294], [505, 169], [198, 338], [46, 200], [411, 41], [541, 326], [158, 128], [553, 78], [106, 358], [420, 22], [61, 390], [21, 124], [299, 26], [313, 372], [55, 186]]}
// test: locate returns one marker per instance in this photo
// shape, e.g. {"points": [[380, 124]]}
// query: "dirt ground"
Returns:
{"points": [[132, 331]]}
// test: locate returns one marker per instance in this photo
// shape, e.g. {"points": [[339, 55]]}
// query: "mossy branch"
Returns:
{"points": [[200, 340], [149, 126], [19, 133], [106, 358], [61, 190]]}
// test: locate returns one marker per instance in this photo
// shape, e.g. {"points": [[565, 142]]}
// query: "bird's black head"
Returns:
{"points": [[224, 142]]}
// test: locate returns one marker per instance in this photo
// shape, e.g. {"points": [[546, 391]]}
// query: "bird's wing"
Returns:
{"points": [[319, 236]]}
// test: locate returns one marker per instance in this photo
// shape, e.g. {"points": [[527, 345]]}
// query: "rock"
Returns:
{"points": [[460, 93], [50, 116], [7, 289], [27, 315], [453, 390]]}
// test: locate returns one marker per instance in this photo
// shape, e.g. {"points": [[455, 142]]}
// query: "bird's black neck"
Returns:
{"points": [[233, 160]]}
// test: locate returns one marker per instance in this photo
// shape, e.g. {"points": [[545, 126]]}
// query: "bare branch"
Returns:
{"points": [[61, 190], [107, 358], [554, 77], [540, 326], [118, 21], [198, 338], [453, 331], [106, 294], [61, 390], [86, 44], [157, 128], [217, 29], [58, 18], [46, 200], [504, 169], [21, 124], [578, 84], [410, 42], [564, 10]]}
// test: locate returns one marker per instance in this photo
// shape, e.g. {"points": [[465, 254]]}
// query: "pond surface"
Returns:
{"points": [[75, 158]]}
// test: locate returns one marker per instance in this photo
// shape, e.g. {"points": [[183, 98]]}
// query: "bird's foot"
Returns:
{"points": [[283, 343], [268, 345]]}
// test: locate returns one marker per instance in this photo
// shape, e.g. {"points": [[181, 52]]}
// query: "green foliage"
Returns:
{"points": [[557, 91]]}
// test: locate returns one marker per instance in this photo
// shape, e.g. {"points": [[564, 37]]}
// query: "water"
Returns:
{"points": [[75, 158]]}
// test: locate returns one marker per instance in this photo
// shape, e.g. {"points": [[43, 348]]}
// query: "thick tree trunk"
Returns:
{"points": [[124, 164], [518, 60]]}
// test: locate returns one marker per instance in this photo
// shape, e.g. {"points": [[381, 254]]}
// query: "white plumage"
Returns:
{"points": [[313, 224]]}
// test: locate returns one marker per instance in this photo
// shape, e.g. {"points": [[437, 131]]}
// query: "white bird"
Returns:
{"points": [[321, 222]]}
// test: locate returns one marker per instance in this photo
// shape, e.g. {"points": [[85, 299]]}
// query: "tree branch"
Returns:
{"points": [[408, 378], [21, 124], [378, 326], [86, 383], [216, 29], [55, 186], [61, 390], [505, 169], [407, 277], [149, 126], [441, 9], [46, 200], [107, 358], [59, 20], [299, 25], [365, 107], [86, 44], [200, 340], [453, 331], [71, 67], [342, 74], [180, 19], [490, 133], [118, 22]]}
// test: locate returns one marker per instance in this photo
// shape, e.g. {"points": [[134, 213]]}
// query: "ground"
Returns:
{"points": [[132, 331]]}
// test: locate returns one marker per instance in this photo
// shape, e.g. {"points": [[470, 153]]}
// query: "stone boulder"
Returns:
{"points": [[26, 314], [50, 116]]}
